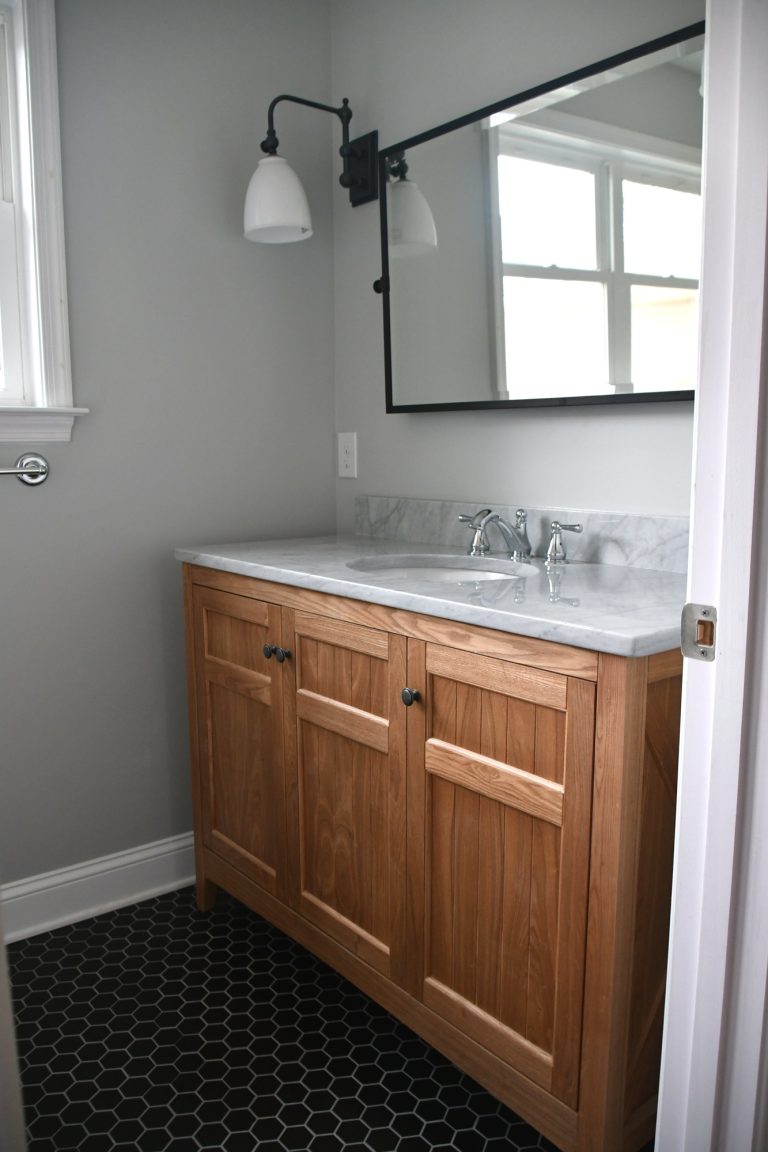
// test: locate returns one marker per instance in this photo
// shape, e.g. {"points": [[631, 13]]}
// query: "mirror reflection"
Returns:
{"points": [[554, 257]]}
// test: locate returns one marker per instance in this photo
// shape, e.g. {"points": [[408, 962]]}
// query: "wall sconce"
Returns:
{"points": [[412, 229], [276, 208]]}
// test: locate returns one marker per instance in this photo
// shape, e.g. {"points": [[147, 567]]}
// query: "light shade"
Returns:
{"points": [[412, 229], [276, 208]]}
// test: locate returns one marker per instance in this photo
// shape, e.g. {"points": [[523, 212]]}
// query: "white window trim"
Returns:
{"points": [[48, 412], [573, 140]]}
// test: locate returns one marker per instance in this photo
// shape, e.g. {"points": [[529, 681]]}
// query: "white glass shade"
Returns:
{"points": [[276, 208], [411, 225]]}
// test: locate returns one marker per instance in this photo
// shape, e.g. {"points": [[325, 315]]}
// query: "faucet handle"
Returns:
{"points": [[475, 520], [556, 549], [479, 545]]}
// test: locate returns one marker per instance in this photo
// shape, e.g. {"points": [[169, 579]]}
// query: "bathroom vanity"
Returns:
{"points": [[458, 792]]}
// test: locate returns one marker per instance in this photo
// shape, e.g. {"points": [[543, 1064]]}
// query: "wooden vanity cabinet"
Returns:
{"points": [[492, 864]]}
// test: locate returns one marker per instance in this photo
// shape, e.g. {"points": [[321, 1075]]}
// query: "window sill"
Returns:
{"points": [[22, 425]]}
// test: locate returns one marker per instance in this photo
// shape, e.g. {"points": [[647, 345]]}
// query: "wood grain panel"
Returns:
{"points": [[507, 872], [615, 848], [317, 797], [380, 684], [533, 684], [665, 665], [526, 650], [306, 663], [469, 717], [521, 734], [654, 886], [490, 906], [238, 720], [343, 719], [466, 848], [360, 679], [326, 679], [251, 684], [574, 887], [540, 798], [440, 960], [542, 947], [342, 843], [442, 715], [344, 635], [516, 920], [243, 608], [493, 726], [350, 787], [342, 675], [518, 1052], [241, 803], [352, 848], [549, 759]]}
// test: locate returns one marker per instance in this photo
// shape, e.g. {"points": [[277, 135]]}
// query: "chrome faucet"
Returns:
{"points": [[515, 537]]}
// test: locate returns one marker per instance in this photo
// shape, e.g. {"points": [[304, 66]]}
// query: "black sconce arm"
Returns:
{"points": [[359, 157]]}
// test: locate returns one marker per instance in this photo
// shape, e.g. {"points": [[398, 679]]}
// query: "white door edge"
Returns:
{"points": [[729, 444]]}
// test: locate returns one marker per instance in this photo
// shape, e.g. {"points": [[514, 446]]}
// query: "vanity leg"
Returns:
{"points": [[205, 894]]}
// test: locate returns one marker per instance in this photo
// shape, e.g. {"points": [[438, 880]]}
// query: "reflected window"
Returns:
{"points": [[596, 250]]}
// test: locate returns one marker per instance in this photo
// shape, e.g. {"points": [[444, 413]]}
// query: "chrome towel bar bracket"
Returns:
{"points": [[30, 469]]}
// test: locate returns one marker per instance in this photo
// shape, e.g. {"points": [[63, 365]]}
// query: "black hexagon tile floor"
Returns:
{"points": [[157, 1028]]}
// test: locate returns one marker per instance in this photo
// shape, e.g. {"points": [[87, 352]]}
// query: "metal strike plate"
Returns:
{"points": [[699, 631]]}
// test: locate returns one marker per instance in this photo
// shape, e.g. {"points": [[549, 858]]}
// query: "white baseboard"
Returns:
{"points": [[71, 894]]}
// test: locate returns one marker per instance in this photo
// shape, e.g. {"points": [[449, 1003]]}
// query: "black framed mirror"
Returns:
{"points": [[544, 250]]}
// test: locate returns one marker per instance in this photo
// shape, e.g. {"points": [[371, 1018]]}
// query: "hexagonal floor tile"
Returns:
{"points": [[157, 1028]]}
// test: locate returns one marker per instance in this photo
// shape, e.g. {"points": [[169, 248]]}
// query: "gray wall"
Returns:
{"points": [[408, 65], [207, 364]]}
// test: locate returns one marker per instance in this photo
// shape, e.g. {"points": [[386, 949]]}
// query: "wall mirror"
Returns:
{"points": [[544, 251]]}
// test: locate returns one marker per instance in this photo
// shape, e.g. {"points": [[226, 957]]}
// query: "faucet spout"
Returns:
{"points": [[515, 537]]}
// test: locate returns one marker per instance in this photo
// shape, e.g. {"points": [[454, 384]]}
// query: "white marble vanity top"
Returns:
{"points": [[608, 608]]}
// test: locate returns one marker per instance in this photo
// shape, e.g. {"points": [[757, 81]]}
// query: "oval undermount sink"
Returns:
{"points": [[441, 569]]}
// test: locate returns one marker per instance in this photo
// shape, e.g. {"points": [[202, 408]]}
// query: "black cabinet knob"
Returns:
{"points": [[410, 696], [280, 654]]}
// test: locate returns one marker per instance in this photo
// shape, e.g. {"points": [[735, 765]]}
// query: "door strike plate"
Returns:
{"points": [[699, 628]]}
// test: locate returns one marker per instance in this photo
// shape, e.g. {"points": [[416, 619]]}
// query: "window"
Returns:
{"points": [[35, 378], [600, 244]]}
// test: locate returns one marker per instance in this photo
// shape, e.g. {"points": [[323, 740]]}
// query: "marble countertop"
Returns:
{"points": [[608, 608]]}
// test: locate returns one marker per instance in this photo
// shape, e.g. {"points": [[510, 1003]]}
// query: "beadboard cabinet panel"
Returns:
{"points": [[507, 801], [240, 734], [348, 819]]}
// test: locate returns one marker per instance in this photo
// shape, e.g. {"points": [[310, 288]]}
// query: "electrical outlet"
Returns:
{"points": [[347, 447]]}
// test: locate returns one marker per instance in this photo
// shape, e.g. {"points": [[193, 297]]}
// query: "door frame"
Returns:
{"points": [[717, 961]]}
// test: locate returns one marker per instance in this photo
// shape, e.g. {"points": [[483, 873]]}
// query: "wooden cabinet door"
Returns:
{"points": [[498, 917], [239, 695], [348, 801]]}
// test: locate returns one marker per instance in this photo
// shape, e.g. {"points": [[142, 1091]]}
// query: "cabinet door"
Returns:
{"points": [[348, 806], [504, 785], [239, 696]]}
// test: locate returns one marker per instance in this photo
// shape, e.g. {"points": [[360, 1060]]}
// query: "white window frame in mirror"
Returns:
{"points": [[38, 406], [611, 154]]}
